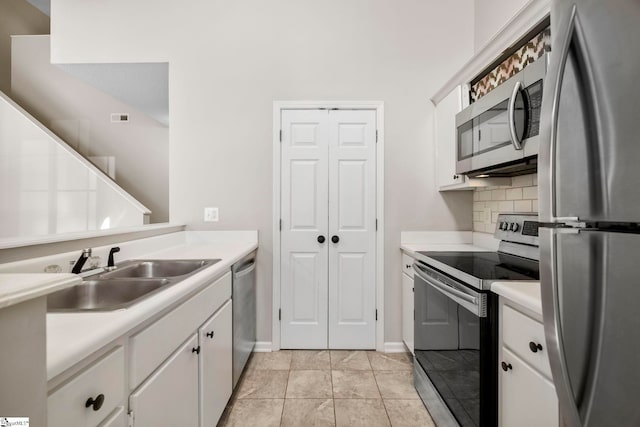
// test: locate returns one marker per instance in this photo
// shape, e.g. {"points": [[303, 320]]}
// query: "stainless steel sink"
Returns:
{"points": [[159, 268], [132, 282], [104, 294]]}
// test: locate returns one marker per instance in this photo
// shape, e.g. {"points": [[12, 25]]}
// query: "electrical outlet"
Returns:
{"points": [[210, 214]]}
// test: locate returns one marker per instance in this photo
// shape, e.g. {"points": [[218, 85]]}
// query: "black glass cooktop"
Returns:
{"points": [[489, 265]]}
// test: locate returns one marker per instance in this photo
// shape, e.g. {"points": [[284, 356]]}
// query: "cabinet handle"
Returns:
{"points": [[210, 334], [95, 403], [456, 177], [196, 350], [535, 347], [408, 266], [506, 366]]}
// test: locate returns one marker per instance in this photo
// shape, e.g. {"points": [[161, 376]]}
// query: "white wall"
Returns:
{"points": [[80, 115], [16, 17], [490, 16], [230, 60]]}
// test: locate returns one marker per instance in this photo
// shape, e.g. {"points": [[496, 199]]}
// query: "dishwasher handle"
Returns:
{"points": [[249, 267]]}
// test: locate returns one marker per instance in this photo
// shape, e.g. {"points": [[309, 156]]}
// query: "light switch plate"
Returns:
{"points": [[210, 214]]}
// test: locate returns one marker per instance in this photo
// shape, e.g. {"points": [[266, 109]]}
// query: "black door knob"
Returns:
{"points": [[95, 403], [196, 350], [335, 239], [210, 334], [535, 347], [321, 239], [506, 366]]}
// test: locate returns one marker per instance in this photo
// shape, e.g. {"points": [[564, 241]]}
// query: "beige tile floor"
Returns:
{"points": [[295, 388]]}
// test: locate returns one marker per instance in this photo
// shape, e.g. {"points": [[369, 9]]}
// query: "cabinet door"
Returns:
{"points": [[118, 418], [445, 132], [169, 397], [527, 399], [215, 366], [407, 311]]}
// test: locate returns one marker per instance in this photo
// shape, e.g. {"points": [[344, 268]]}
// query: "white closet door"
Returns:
{"points": [[352, 220], [304, 188]]}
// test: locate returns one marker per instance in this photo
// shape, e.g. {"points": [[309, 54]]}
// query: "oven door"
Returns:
{"points": [[455, 334]]}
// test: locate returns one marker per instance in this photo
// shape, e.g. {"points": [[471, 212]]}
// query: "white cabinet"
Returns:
{"points": [[445, 132], [118, 418], [215, 365], [179, 371], [407, 311], [527, 393], [90, 396], [170, 396], [407, 301]]}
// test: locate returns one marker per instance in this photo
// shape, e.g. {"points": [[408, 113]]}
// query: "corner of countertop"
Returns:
{"points": [[20, 287]]}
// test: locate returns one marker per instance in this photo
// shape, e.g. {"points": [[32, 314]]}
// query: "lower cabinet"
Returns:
{"points": [[407, 301], [90, 396], [179, 371], [117, 419], [528, 399], [215, 365], [169, 397], [407, 311], [527, 394]]}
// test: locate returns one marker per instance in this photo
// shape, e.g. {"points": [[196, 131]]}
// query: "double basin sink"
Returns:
{"points": [[130, 283]]}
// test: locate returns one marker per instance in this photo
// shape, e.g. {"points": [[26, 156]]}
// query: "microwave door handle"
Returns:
{"points": [[517, 142]]}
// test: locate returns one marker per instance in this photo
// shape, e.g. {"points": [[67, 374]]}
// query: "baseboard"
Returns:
{"points": [[262, 347], [395, 347]]}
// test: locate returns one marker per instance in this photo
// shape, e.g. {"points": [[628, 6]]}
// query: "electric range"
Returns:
{"points": [[456, 322]]}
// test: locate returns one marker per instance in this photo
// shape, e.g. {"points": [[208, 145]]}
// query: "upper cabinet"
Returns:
{"points": [[445, 133]]}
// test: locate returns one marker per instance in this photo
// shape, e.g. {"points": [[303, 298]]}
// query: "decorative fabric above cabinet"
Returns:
{"points": [[528, 53]]}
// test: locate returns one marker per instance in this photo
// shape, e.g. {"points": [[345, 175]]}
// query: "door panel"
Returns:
{"points": [[596, 280], [436, 318], [352, 217], [304, 186], [597, 113], [328, 189]]}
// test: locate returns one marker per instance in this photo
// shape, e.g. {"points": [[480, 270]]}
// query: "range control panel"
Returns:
{"points": [[519, 228]]}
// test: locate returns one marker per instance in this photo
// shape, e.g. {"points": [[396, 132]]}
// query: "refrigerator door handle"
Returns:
{"points": [[556, 81]]}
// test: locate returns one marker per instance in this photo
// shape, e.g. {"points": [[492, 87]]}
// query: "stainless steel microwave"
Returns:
{"points": [[498, 134]]}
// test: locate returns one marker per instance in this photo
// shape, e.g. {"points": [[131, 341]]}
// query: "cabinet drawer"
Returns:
{"points": [[66, 407], [520, 333], [407, 265], [527, 399], [150, 347]]}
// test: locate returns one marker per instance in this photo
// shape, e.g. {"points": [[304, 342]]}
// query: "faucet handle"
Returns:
{"points": [[111, 263], [86, 252]]}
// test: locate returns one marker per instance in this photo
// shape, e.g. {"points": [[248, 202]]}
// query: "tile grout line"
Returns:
{"points": [[379, 391], [286, 386], [333, 397]]}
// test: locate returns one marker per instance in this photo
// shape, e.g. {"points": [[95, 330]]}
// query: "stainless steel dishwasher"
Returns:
{"points": [[244, 312]]}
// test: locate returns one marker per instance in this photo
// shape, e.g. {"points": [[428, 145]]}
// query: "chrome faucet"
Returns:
{"points": [[84, 256]]}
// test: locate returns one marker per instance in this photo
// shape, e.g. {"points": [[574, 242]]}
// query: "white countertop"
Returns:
{"points": [[16, 288], [526, 294], [73, 336]]}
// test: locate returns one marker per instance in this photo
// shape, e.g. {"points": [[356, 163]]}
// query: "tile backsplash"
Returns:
{"points": [[520, 196]]}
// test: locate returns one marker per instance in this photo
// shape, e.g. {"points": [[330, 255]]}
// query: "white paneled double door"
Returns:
{"points": [[328, 230]]}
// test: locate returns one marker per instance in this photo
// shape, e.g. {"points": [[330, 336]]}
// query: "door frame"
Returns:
{"points": [[378, 106]]}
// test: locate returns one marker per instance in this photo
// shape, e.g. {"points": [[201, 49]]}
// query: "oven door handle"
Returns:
{"points": [[471, 302]]}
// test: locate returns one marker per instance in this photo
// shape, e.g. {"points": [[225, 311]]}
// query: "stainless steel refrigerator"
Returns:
{"points": [[589, 183]]}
